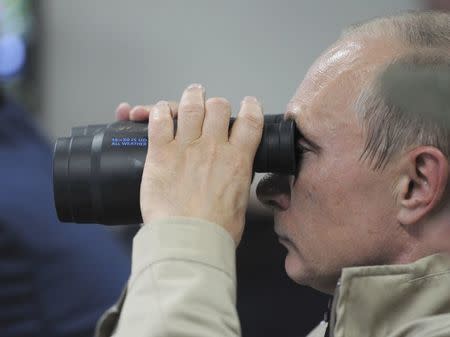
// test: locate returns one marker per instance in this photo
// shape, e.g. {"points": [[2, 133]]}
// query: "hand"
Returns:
{"points": [[139, 113], [202, 172]]}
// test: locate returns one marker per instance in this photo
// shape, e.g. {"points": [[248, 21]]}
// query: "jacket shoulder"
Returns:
{"points": [[434, 326]]}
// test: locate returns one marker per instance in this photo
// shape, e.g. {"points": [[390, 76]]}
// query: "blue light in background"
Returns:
{"points": [[12, 54]]}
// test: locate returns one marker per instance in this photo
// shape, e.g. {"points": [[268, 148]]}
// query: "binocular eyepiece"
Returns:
{"points": [[97, 171]]}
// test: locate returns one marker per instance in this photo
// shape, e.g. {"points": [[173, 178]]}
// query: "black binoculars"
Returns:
{"points": [[97, 171]]}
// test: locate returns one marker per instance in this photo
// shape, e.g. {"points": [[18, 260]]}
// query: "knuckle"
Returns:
{"points": [[192, 108], [162, 119], [213, 151], [240, 166], [254, 121], [220, 101]]}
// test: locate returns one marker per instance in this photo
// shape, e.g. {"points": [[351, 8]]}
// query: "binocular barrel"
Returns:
{"points": [[97, 171]]}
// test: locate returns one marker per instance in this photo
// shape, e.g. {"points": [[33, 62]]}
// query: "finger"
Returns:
{"points": [[140, 113], [160, 124], [173, 108], [191, 112], [247, 129], [123, 111], [217, 119]]}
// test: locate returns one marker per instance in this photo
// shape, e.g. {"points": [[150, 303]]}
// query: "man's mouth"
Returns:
{"points": [[281, 236], [285, 242], [283, 239]]}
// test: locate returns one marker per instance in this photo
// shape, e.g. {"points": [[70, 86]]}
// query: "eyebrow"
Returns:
{"points": [[303, 136]]}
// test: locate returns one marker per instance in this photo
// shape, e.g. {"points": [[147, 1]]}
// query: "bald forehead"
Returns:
{"points": [[339, 73], [330, 64]]}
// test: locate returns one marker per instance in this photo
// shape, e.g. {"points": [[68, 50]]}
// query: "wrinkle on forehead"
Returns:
{"points": [[327, 110], [350, 61]]}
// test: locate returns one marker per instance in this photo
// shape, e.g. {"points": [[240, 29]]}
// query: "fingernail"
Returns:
{"points": [[251, 99], [195, 86], [162, 103], [156, 113], [137, 107], [122, 106]]}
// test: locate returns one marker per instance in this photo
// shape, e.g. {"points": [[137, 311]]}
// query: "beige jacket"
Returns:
{"points": [[183, 284]]}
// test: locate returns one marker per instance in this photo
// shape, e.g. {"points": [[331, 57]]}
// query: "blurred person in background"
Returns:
{"points": [[442, 5], [359, 219], [55, 279]]}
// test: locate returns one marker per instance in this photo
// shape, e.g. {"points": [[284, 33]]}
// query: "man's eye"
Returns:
{"points": [[301, 148]]}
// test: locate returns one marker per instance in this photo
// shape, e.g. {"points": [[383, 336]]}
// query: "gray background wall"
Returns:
{"points": [[97, 53]]}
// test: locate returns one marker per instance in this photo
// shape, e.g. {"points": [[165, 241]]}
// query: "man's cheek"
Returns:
{"points": [[305, 187]]}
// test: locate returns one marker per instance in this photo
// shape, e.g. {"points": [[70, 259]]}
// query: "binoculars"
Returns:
{"points": [[97, 171]]}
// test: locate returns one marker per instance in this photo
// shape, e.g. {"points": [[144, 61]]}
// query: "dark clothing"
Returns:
{"points": [[55, 278]]}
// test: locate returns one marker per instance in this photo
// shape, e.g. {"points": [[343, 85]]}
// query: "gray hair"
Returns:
{"points": [[390, 128], [415, 29]]}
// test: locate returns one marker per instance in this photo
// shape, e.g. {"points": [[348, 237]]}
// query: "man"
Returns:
{"points": [[360, 218]]}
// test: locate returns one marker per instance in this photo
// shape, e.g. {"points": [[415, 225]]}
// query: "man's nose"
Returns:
{"points": [[274, 191]]}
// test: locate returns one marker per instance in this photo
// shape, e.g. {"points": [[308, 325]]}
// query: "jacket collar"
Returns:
{"points": [[379, 298]]}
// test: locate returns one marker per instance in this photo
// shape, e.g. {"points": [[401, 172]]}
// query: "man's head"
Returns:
{"points": [[368, 190]]}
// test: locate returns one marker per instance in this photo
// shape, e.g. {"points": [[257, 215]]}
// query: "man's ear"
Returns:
{"points": [[422, 184]]}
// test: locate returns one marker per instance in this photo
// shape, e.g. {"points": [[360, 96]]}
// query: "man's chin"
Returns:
{"points": [[298, 271], [295, 267]]}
